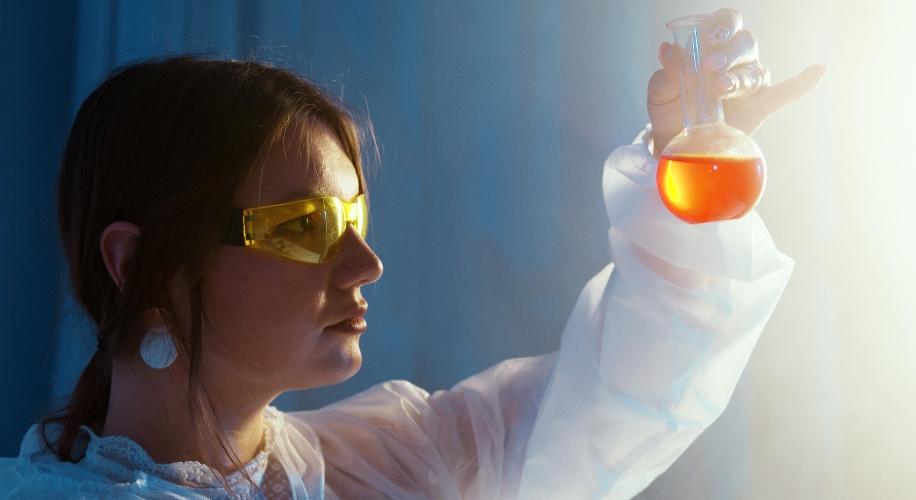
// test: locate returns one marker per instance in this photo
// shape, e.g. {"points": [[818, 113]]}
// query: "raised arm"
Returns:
{"points": [[649, 357], [653, 350]]}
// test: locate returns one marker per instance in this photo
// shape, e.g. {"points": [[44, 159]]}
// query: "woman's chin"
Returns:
{"points": [[336, 367], [349, 364]]}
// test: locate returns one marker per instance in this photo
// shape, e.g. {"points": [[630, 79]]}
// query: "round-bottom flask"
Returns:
{"points": [[710, 171]]}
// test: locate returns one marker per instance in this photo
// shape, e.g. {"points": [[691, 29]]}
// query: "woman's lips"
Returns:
{"points": [[352, 326]]}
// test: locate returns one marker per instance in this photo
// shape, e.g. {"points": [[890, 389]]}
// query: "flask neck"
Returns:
{"points": [[706, 110], [699, 87]]}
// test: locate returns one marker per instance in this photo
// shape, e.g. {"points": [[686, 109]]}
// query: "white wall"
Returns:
{"points": [[831, 390]]}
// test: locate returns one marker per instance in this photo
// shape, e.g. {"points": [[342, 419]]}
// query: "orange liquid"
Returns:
{"points": [[707, 188]]}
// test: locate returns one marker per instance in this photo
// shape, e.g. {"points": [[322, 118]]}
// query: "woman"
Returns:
{"points": [[212, 213]]}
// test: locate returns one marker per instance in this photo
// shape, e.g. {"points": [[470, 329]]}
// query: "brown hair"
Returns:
{"points": [[165, 144]]}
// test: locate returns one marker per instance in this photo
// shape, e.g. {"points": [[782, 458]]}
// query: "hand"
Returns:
{"points": [[748, 98]]}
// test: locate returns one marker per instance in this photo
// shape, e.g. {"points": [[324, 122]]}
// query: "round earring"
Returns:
{"points": [[158, 348]]}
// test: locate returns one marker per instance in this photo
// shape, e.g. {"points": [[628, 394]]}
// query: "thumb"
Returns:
{"points": [[663, 86], [771, 99]]}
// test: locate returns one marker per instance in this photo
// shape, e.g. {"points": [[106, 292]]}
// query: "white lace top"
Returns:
{"points": [[120, 459], [648, 359], [129, 455], [102, 453]]}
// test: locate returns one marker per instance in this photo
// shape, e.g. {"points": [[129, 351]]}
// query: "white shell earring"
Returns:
{"points": [[158, 348]]}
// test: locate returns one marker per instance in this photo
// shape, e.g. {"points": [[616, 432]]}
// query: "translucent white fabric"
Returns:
{"points": [[648, 359], [115, 466]]}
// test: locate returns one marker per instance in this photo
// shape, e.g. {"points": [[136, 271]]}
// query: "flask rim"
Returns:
{"points": [[689, 21]]}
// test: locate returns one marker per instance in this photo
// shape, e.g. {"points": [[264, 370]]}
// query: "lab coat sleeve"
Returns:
{"points": [[653, 350], [649, 358]]}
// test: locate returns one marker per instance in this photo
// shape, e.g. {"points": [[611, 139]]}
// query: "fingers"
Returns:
{"points": [[773, 98], [741, 49], [664, 107], [730, 19], [744, 80], [661, 89], [667, 55], [738, 65]]}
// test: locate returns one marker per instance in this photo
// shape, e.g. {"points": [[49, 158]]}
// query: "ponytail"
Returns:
{"points": [[88, 406]]}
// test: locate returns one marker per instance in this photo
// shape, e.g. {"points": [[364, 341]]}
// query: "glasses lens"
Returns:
{"points": [[358, 215], [308, 231], [300, 231]]}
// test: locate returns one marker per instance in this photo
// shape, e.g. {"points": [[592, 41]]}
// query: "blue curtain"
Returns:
{"points": [[36, 87], [493, 118]]}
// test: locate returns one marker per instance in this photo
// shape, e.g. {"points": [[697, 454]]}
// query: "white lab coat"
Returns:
{"points": [[648, 359]]}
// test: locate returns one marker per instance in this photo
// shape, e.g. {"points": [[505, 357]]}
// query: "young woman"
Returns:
{"points": [[213, 215]]}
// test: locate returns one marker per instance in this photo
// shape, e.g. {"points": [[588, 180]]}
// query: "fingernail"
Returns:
{"points": [[716, 61], [718, 35], [726, 81]]}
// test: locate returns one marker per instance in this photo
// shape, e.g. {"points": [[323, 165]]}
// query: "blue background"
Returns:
{"points": [[494, 119]]}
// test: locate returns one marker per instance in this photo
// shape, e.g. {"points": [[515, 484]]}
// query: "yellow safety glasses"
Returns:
{"points": [[308, 230]]}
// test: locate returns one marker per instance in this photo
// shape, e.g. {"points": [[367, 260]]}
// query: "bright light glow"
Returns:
{"points": [[831, 389]]}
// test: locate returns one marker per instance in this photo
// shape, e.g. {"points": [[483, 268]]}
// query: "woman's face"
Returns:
{"points": [[275, 323]]}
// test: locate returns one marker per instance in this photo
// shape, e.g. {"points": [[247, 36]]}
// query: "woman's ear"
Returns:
{"points": [[119, 240]]}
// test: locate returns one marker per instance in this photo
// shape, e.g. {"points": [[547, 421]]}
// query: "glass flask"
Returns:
{"points": [[710, 171]]}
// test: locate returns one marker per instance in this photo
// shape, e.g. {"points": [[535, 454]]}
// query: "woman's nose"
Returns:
{"points": [[355, 263]]}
